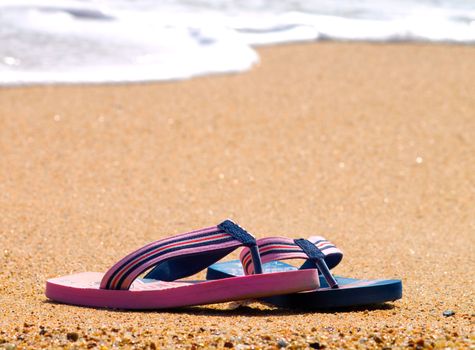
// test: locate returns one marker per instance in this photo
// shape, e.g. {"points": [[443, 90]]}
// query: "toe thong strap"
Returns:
{"points": [[333, 255], [315, 255], [180, 256], [317, 251]]}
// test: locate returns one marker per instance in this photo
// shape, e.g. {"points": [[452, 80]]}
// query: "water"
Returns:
{"points": [[111, 41]]}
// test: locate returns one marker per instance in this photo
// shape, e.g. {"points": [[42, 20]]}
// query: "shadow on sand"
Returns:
{"points": [[243, 309]]}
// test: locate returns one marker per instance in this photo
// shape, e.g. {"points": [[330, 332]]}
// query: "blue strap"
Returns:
{"points": [[315, 255], [247, 240], [238, 233]]}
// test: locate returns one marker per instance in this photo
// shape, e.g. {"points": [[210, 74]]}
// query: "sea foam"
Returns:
{"points": [[130, 41]]}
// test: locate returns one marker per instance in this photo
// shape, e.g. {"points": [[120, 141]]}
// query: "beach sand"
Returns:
{"points": [[370, 145]]}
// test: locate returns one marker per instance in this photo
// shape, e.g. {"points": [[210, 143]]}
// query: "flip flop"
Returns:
{"points": [[334, 292], [171, 259]]}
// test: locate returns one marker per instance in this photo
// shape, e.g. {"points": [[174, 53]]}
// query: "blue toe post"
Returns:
{"points": [[256, 259], [247, 240], [316, 255]]}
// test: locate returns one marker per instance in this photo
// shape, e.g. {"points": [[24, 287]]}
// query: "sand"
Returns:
{"points": [[370, 145]]}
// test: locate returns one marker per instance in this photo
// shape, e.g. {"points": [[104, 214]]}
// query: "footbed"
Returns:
{"points": [[84, 289]]}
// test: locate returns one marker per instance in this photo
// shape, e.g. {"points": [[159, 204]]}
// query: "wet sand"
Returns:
{"points": [[372, 146]]}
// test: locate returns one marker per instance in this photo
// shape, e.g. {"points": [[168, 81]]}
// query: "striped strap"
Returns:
{"points": [[226, 237], [282, 248]]}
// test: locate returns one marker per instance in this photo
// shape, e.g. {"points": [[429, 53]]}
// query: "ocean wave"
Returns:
{"points": [[131, 41]]}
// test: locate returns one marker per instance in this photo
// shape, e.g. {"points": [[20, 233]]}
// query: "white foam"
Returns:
{"points": [[53, 44], [53, 41]]}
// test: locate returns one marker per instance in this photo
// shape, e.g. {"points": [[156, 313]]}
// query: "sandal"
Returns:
{"points": [[334, 291], [171, 259]]}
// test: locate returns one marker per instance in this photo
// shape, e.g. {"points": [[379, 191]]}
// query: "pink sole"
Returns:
{"points": [[83, 289]]}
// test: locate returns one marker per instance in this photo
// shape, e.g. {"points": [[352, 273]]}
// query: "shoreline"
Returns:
{"points": [[258, 48]]}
